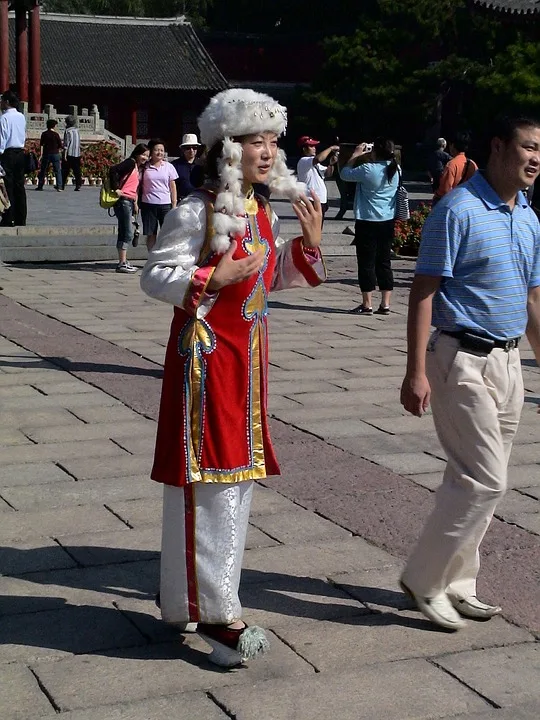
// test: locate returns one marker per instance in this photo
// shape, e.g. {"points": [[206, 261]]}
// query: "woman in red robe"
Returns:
{"points": [[216, 259]]}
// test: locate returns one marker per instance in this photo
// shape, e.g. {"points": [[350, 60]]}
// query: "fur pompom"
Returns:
{"points": [[282, 181], [220, 244], [253, 642]]}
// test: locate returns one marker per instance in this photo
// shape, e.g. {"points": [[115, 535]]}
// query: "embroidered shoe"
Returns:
{"points": [[231, 647], [472, 607], [438, 609]]}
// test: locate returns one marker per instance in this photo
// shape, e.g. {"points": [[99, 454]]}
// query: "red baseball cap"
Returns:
{"points": [[307, 140]]}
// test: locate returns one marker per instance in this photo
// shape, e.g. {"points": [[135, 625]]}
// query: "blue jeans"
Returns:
{"points": [[123, 210], [46, 160]]}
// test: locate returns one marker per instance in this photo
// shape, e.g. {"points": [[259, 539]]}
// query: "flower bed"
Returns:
{"points": [[409, 232], [96, 159]]}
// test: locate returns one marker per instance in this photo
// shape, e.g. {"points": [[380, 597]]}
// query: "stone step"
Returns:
{"points": [[93, 252], [56, 230]]}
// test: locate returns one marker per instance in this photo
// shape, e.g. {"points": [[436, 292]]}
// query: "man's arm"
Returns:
{"points": [[533, 324], [448, 180], [321, 157], [3, 133], [415, 390]]}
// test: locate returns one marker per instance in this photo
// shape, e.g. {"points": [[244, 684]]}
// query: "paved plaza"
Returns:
{"points": [[81, 350]]}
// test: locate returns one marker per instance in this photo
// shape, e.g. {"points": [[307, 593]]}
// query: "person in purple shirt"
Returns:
{"points": [[157, 191]]}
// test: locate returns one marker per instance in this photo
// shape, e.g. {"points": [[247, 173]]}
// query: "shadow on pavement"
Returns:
{"points": [[64, 364], [77, 265], [112, 628]]}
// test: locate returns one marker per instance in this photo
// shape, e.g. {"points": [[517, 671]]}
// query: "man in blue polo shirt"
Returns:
{"points": [[478, 282]]}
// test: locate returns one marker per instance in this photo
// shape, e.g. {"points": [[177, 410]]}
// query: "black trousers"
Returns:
{"points": [[373, 241], [71, 163], [13, 163]]}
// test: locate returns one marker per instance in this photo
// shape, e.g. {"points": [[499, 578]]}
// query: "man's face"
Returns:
{"points": [[520, 156], [310, 150]]}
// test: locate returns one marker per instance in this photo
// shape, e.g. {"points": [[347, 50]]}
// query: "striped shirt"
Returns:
{"points": [[72, 142], [487, 256]]}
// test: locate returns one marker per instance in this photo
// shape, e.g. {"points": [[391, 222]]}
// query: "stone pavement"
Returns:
{"points": [[80, 356]]}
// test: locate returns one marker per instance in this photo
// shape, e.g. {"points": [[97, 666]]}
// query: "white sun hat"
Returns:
{"points": [[190, 139], [229, 115]]}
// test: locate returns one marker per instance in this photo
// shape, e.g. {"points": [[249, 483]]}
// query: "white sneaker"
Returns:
{"points": [[472, 607], [126, 268], [438, 609]]}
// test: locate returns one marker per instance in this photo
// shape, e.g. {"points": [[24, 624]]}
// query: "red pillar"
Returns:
{"points": [[21, 49], [4, 46], [35, 60], [134, 125]]}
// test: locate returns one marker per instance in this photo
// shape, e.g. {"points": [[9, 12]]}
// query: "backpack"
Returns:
{"points": [[107, 197]]}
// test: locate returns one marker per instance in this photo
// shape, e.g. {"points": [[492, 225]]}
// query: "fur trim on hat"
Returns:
{"points": [[239, 111]]}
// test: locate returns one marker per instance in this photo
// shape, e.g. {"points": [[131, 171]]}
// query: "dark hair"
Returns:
{"points": [[51, 123], [138, 150], [461, 141], [10, 97], [211, 165], [155, 141], [384, 149], [504, 126]]}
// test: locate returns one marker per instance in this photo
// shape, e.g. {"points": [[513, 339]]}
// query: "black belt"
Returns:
{"points": [[480, 343]]}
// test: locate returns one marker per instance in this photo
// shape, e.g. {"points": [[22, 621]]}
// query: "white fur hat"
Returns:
{"points": [[233, 113]]}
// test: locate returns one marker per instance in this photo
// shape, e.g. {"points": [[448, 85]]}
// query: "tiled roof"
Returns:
{"points": [[86, 51], [512, 6]]}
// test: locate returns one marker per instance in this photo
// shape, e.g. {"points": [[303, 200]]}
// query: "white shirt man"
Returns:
{"points": [[12, 137], [310, 169]]}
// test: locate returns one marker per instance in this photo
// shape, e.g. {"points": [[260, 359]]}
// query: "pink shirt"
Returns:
{"points": [[130, 187], [156, 178]]}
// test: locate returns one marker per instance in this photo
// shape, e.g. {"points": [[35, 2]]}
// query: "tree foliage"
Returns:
{"points": [[407, 67]]}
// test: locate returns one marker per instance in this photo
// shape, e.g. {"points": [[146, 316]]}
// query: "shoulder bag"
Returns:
{"points": [[402, 201]]}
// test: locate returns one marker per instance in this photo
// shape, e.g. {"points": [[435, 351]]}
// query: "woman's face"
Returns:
{"points": [[143, 158], [190, 153], [258, 156], [158, 153]]}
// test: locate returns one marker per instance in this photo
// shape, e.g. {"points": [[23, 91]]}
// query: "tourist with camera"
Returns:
{"points": [[374, 169]]}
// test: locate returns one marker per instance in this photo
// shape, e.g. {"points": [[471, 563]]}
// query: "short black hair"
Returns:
{"points": [[504, 126], [460, 140], [10, 97], [155, 141], [51, 123]]}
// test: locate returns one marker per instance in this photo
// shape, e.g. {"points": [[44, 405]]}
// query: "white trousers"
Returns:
{"points": [[476, 401], [204, 534]]}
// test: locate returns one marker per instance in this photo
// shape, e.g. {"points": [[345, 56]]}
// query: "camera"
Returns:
{"points": [[369, 146]]}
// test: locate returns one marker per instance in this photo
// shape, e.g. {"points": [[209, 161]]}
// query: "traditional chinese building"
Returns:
{"points": [[147, 76], [519, 7]]}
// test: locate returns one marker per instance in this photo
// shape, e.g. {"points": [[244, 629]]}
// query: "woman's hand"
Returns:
{"points": [[229, 271], [309, 212]]}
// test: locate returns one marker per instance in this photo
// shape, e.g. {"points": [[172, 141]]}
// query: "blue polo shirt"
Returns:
{"points": [[487, 256]]}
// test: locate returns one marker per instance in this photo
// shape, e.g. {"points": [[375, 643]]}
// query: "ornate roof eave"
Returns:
{"points": [[515, 7]]}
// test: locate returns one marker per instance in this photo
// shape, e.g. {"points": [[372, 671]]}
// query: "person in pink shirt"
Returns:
{"points": [[158, 191], [124, 179]]}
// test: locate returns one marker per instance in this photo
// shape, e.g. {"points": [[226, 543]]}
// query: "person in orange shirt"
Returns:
{"points": [[459, 169]]}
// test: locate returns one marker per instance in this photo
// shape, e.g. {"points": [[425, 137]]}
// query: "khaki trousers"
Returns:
{"points": [[476, 401]]}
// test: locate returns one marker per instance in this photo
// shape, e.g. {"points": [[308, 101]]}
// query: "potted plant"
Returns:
{"points": [[408, 233]]}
